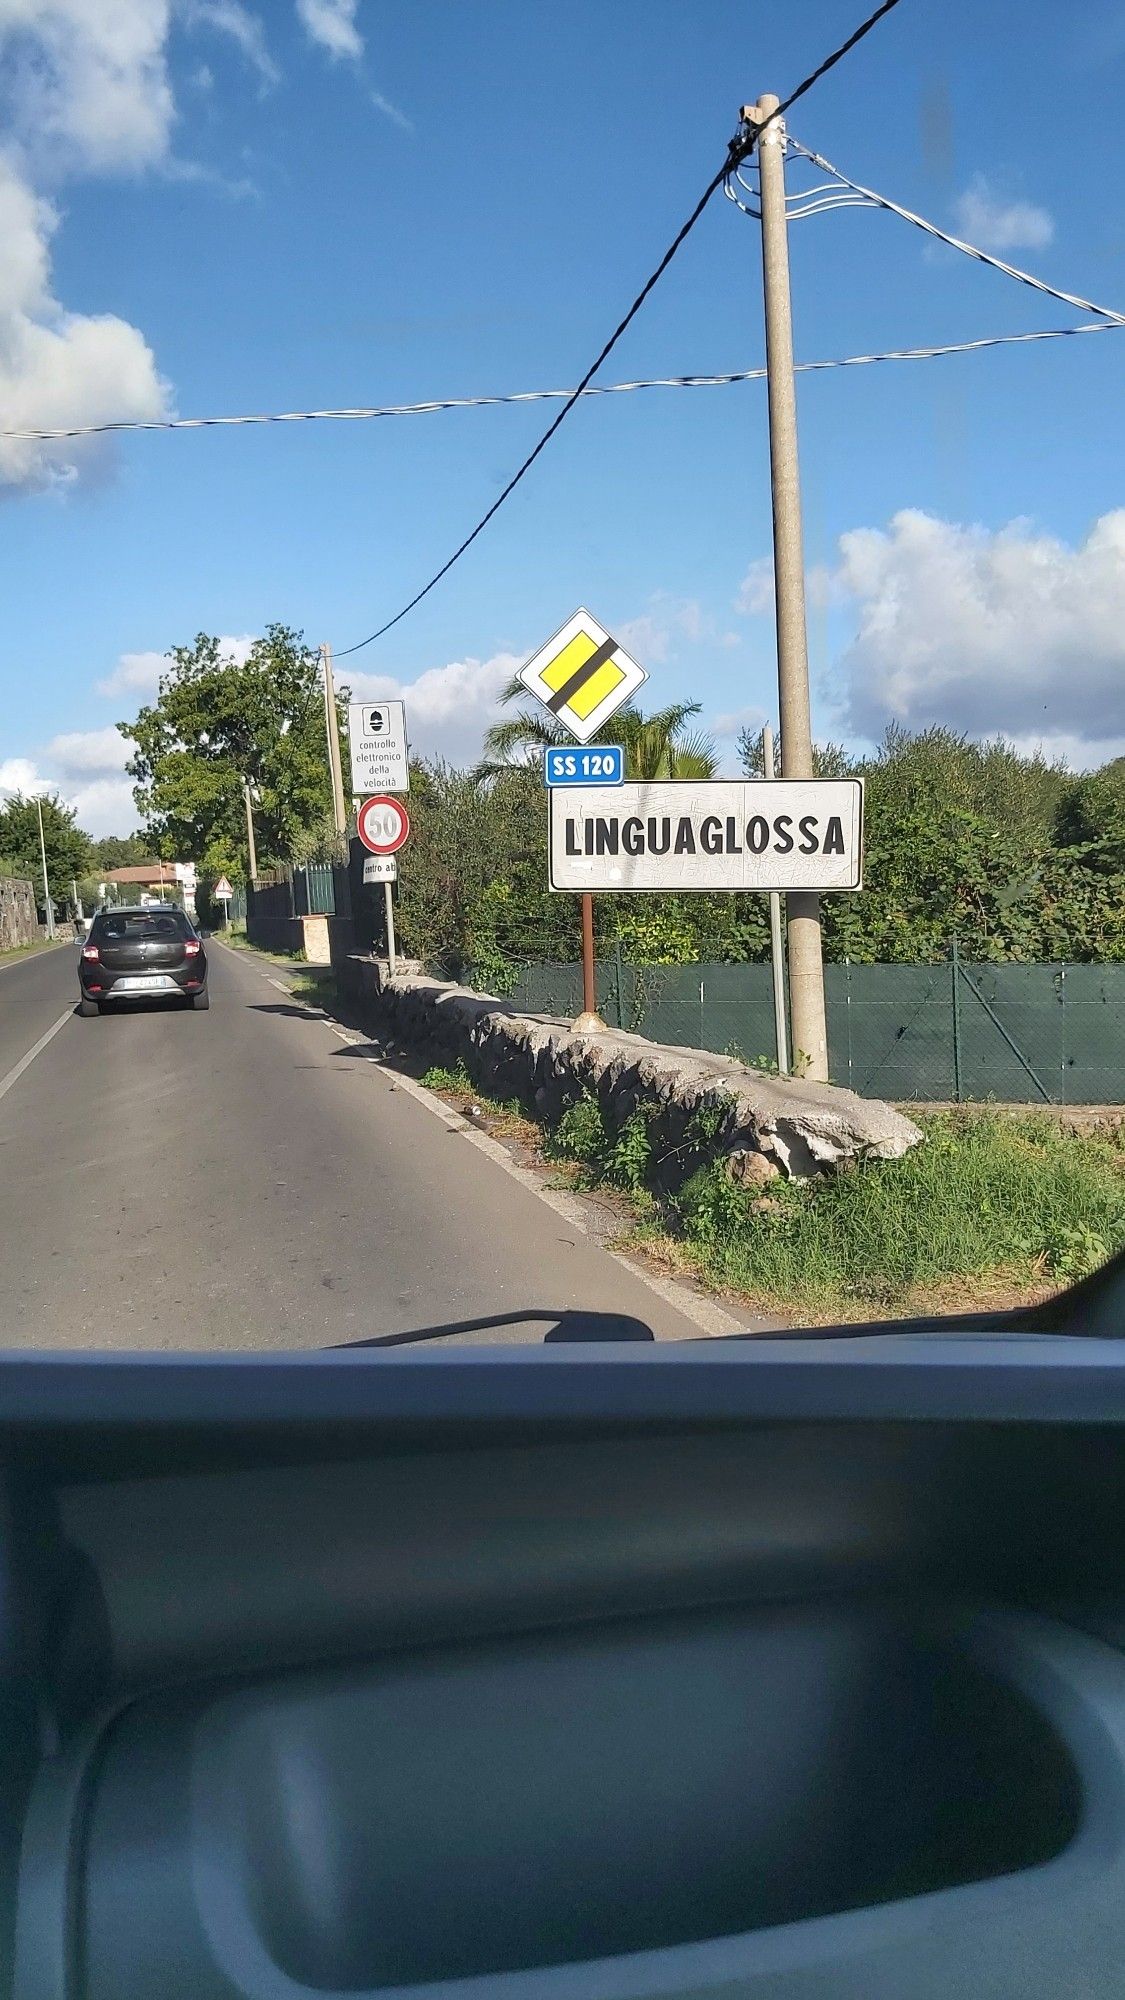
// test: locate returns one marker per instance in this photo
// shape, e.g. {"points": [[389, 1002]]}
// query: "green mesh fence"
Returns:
{"points": [[934, 1033]]}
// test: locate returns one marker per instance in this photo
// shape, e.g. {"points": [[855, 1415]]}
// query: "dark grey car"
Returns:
{"points": [[154, 953]]}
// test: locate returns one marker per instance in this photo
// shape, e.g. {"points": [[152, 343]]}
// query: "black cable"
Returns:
{"points": [[737, 151]]}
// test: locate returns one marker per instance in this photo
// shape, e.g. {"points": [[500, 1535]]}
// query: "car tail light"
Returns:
{"points": [[192, 948], [90, 951]]}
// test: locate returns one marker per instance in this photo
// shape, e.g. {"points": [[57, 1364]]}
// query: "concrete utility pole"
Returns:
{"points": [[777, 948], [253, 852], [332, 729], [806, 964], [43, 859]]}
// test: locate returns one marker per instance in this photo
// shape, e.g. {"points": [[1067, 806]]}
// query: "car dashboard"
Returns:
{"points": [[765, 1668]]}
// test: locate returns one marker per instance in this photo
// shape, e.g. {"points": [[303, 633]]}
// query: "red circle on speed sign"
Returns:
{"points": [[383, 825]]}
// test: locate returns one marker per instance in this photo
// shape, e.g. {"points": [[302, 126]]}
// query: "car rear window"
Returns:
{"points": [[128, 924]]}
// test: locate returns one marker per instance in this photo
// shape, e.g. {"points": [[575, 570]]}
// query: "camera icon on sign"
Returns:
{"points": [[374, 721]]}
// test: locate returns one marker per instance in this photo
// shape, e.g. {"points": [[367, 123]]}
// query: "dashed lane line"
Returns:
{"points": [[25, 1062]]}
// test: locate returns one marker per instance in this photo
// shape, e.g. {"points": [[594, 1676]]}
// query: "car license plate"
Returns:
{"points": [[141, 982]]}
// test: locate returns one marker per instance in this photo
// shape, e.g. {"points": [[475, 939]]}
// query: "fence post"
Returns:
{"points": [[956, 971], [617, 967], [1063, 1093]]}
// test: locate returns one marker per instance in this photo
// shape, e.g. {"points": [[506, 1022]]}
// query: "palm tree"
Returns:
{"points": [[656, 745]]}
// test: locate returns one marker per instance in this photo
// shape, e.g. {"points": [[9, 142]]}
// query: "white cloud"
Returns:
{"points": [[244, 28], [994, 222], [755, 592], [20, 774], [103, 806], [78, 750], [391, 111], [87, 83], [737, 719], [58, 369], [1012, 631], [656, 635], [90, 764], [448, 708], [331, 23], [139, 673], [102, 801], [84, 88], [135, 673]]}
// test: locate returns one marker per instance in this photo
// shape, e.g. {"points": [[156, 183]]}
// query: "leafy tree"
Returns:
{"points": [[1090, 819], [830, 760], [67, 847], [217, 722], [121, 851], [656, 746]]}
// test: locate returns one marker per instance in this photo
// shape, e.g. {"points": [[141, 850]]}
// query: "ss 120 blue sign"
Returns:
{"points": [[593, 764]]}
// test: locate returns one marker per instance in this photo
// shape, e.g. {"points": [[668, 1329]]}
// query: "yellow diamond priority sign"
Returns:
{"points": [[582, 675]]}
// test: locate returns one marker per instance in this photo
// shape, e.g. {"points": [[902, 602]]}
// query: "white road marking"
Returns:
{"points": [[24, 1062], [705, 1313]]}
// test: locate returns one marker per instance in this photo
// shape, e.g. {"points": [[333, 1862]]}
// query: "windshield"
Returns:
{"points": [[543, 795]]}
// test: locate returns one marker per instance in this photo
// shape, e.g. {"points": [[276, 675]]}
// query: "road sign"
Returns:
{"points": [[222, 890], [754, 834], [604, 765], [383, 825], [582, 675], [380, 868], [377, 734]]}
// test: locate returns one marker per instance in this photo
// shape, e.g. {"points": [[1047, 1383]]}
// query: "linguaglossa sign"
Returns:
{"points": [[754, 834]]}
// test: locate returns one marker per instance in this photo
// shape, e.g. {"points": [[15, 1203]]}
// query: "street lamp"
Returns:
{"points": [[43, 859]]}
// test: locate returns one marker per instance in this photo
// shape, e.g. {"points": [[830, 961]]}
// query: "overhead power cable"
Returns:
{"points": [[738, 150], [954, 242], [437, 405]]}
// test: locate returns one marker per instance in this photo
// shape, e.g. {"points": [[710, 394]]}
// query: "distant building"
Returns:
{"points": [[172, 879]]}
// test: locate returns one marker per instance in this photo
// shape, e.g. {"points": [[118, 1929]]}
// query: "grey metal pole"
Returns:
{"points": [[252, 850], [955, 975], [806, 964], [332, 731], [389, 906], [777, 948], [43, 859]]}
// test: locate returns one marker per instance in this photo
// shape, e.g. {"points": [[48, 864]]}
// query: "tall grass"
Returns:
{"points": [[984, 1197]]}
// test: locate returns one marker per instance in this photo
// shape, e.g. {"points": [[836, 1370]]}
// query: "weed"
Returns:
{"points": [[625, 1161], [455, 1079], [767, 1064], [619, 1159], [579, 1135], [314, 989], [711, 1207]]}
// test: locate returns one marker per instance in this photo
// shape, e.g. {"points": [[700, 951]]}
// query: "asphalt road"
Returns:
{"points": [[247, 1178]]}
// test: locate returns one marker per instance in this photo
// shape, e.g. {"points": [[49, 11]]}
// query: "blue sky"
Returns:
{"points": [[320, 204]]}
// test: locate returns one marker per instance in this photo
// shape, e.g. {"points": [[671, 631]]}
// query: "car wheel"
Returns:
{"points": [[88, 1008], [200, 1001]]}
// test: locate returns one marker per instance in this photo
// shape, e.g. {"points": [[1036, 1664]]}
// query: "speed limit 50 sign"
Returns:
{"points": [[383, 825]]}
